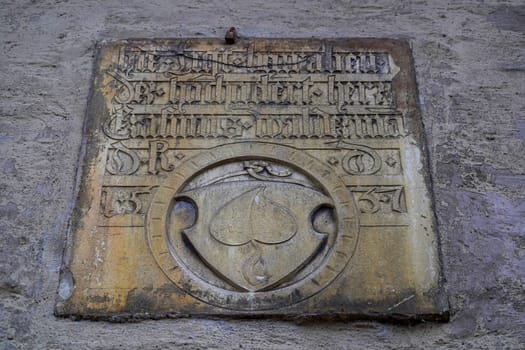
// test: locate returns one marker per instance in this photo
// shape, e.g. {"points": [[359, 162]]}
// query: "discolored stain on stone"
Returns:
{"points": [[509, 18], [9, 167], [268, 178]]}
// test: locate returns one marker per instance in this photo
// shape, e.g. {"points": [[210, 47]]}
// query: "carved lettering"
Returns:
{"points": [[360, 160], [158, 159], [383, 199], [118, 201], [122, 160], [290, 90]]}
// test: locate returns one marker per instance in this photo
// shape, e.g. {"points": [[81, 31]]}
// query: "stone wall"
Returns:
{"points": [[470, 65]]}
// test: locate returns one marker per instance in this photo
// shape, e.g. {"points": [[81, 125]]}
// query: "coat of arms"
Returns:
{"points": [[257, 226]]}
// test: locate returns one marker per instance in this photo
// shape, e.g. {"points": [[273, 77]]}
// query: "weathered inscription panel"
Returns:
{"points": [[270, 177]]}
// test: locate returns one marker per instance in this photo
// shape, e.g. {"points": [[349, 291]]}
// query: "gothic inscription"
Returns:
{"points": [[268, 177]]}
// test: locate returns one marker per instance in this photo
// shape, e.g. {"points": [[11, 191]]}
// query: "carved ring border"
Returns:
{"points": [[341, 251]]}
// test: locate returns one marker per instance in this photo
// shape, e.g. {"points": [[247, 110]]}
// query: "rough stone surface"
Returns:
{"points": [[469, 59]]}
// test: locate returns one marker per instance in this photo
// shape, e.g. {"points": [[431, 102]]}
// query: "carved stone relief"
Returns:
{"points": [[254, 179]]}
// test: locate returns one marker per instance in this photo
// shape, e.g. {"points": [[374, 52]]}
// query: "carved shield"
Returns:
{"points": [[256, 235]]}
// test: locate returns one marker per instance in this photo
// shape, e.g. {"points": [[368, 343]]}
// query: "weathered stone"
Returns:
{"points": [[269, 177]]}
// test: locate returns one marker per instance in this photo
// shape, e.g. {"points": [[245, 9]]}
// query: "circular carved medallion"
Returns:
{"points": [[252, 226]]}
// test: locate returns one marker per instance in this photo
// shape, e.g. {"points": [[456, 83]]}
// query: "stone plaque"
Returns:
{"points": [[266, 178]]}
